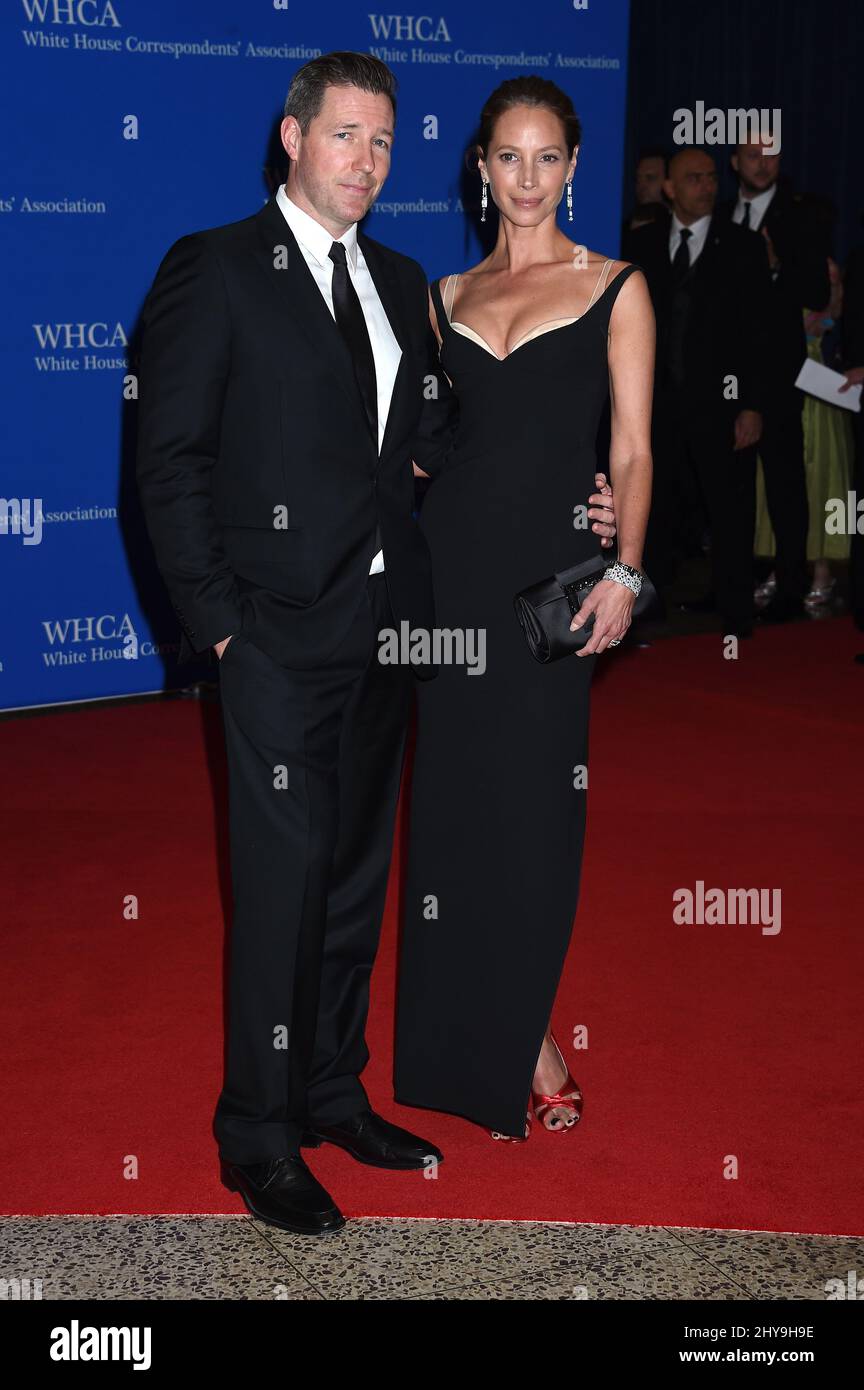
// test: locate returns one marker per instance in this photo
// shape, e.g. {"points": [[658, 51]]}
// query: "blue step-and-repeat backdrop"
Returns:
{"points": [[128, 123]]}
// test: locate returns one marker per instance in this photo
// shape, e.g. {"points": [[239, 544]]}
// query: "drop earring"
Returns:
{"points": [[569, 200], [484, 200]]}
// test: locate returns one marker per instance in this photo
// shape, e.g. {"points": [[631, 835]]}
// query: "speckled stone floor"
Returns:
{"points": [[164, 1258]]}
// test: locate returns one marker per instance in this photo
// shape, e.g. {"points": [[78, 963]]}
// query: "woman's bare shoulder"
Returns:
{"points": [[597, 260], [481, 268], [619, 267], [446, 284]]}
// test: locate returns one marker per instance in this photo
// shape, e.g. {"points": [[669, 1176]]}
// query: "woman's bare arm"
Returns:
{"points": [[631, 387]]}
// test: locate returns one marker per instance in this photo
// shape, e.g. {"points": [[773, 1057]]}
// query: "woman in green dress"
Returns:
{"points": [[828, 450]]}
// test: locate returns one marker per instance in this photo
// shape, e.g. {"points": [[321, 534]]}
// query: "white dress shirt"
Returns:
{"points": [[315, 242], [758, 207], [696, 240]]}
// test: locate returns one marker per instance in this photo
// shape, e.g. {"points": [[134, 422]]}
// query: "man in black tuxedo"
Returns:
{"points": [[795, 233], [289, 376], [708, 281]]}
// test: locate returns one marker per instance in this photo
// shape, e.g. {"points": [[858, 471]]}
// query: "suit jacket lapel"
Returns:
{"points": [[301, 297], [291, 280]]}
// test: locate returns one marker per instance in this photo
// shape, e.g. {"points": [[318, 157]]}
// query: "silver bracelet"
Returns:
{"points": [[626, 575]]}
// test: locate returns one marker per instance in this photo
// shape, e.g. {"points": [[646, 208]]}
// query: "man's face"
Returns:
{"points": [[692, 185], [756, 171], [341, 163], [650, 173]]}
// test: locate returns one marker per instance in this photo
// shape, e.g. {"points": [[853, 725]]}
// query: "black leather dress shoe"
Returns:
{"points": [[284, 1193], [373, 1140]]}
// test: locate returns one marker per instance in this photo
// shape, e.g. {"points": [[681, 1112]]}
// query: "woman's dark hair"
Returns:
{"points": [[341, 69], [529, 91]]}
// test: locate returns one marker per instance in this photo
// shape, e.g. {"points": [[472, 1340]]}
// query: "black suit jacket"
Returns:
{"points": [[725, 326], [260, 481], [800, 234]]}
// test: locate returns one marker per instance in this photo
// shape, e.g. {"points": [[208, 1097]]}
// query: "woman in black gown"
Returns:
{"points": [[531, 340]]}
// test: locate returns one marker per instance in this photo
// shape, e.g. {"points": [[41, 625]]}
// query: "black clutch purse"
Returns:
{"points": [[545, 610]]}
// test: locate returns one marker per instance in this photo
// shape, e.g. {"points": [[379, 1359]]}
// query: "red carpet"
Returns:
{"points": [[708, 1045]]}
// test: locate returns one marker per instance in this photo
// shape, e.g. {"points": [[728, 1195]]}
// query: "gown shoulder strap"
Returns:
{"points": [[619, 281], [604, 312], [600, 283], [450, 295], [443, 303]]}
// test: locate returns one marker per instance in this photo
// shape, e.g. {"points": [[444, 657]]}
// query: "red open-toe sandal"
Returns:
{"points": [[568, 1097]]}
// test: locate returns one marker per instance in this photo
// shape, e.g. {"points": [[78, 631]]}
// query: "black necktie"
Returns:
{"points": [[681, 259], [745, 220], [349, 317], [352, 324]]}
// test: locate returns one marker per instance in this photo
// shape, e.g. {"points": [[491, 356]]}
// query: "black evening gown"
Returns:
{"points": [[496, 823]]}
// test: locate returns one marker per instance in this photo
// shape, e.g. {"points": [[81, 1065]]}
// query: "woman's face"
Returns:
{"points": [[527, 164]]}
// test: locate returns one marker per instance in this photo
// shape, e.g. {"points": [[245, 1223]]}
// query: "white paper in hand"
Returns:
{"points": [[818, 380]]}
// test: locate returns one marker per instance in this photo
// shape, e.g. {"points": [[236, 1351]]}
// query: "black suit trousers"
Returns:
{"points": [[693, 450], [314, 761], [781, 449]]}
